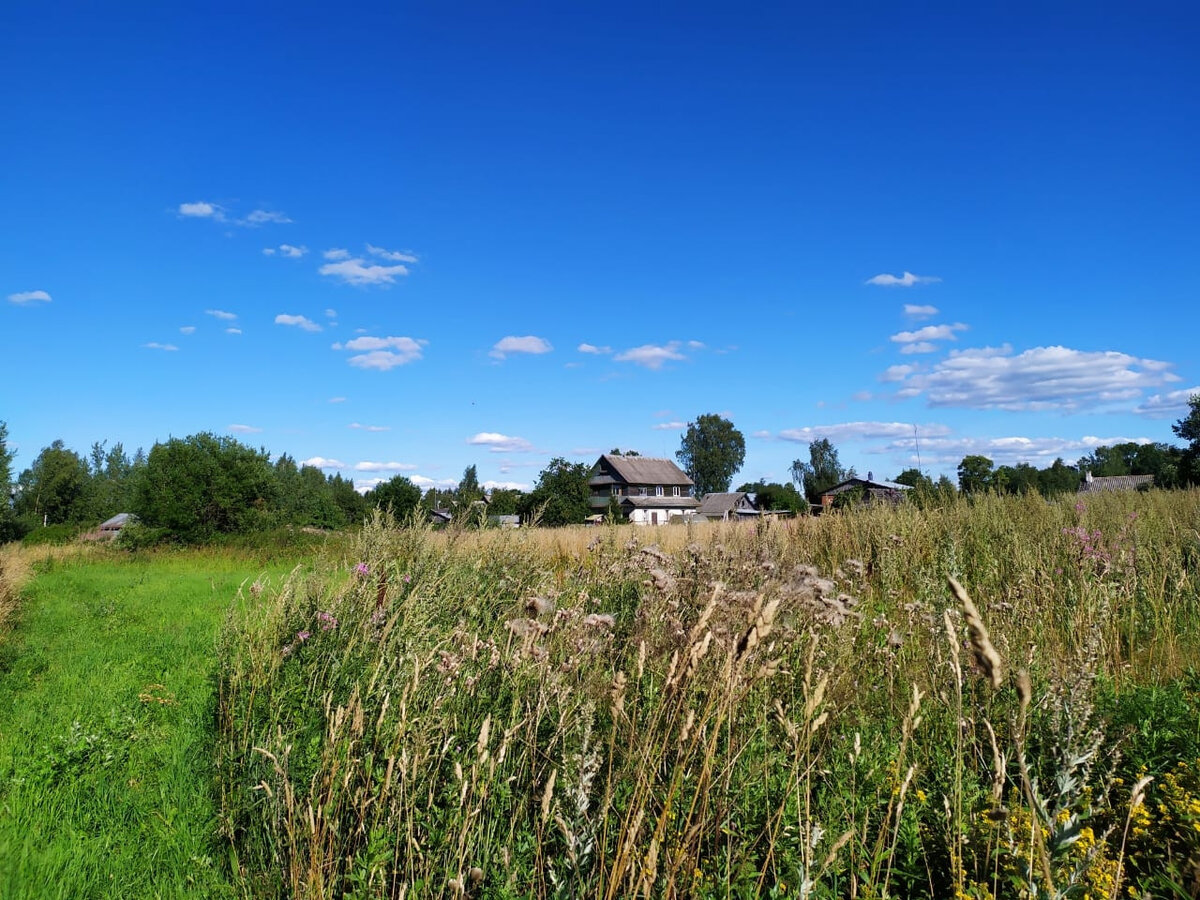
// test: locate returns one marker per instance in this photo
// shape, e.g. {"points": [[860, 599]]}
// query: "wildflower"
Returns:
{"points": [[287, 651], [362, 570], [407, 578], [303, 636], [327, 621]]}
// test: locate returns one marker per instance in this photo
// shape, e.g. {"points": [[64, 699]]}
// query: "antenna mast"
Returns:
{"points": [[917, 441]]}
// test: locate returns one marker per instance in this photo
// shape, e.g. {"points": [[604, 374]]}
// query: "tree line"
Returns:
{"points": [[204, 485]]}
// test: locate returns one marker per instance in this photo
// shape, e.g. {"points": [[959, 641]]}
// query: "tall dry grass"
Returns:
{"points": [[805, 707]]}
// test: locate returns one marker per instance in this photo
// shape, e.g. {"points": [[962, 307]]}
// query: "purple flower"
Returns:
{"points": [[303, 635], [362, 570], [407, 578], [327, 621]]}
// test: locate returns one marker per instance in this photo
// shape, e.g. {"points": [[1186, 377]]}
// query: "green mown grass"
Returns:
{"points": [[106, 712]]}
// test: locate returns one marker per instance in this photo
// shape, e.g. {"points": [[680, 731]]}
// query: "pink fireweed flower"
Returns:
{"points": [[303, 635], [407, 578], [327, 621], [362, 569]]}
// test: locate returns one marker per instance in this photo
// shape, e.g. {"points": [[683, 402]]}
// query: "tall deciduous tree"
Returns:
{"points": [[398, 494], [1188, 428], [561, 494], [9, 529], [822, 471], [54, 489], [974, 474], [711, 451]]}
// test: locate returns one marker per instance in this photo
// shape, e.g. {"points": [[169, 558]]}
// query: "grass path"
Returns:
{"points": [[106, 715]]}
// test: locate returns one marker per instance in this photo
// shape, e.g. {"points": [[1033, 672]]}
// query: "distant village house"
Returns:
{"points": [[1093, 485], [873, 491], [648, 491]]}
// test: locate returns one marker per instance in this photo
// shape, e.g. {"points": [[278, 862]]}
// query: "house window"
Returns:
{"points": [[658, 491], [675, 491], [615, 490]]}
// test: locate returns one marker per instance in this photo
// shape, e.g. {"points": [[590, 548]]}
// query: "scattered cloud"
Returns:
{"points": [[368, 466], [362, 485], [301, 322], [337, 399], [244, 429], [425, 483], [501, 443], [592, 348], [762, 435], [897, 373], [233, 331], [263, 217], [336, 253], [1169, 404], [652, 356], [392, 255], [221, 314], [861, 431], [505, 486], [201, 210], [695, 345], [155, 345], [29, 297], [513, 344], [331, 313], [929, 333], [913, 311], [359, 427], [669, 426], [382, 353], [187, 329], [908, 279], [359, 272], [1039, 451], [286, 250], [321, 462], [1038, 379], [919, 347]]}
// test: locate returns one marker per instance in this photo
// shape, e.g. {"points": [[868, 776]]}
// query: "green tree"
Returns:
{"points": [[1188, 428], [9, 528], [711, 451], [349, 501], [774, 496], [617, 451], [468, 491], [915, 479], [822, 471], [398, 494], [504, 502], [974, 474], [561, 494], [203, 485], [55, 488], [1058, 478]]}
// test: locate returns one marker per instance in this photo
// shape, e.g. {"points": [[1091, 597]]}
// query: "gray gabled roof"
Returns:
{"points": [[1115, 483], [867, 483], [120, 520], [644, 470], [720, 504]]}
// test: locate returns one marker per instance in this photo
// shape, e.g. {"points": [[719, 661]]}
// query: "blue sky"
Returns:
{"points": [[405, 238]]}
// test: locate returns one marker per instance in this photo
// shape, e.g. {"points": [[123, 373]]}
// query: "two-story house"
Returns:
{"points": [[649, 491]]}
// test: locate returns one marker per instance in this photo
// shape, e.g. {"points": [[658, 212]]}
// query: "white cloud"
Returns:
{"points": [[1038, 379], [155, 345], [331, 313], [336, 253], [298, 321], [425, 483], [358, 272], [268, 251], [913, 311], [861, 431], [651, 356], [233, 331], [695, 345], [897, 373], [286, 250], [513, 344], [505, 486], [592, 348], [392, 255], [908, 279], [221, 314], [359, 427], [919, 347], [1169, 404], [762, 435], [244, 429], [501, 443], [362, 485], [383, 353], [321, 462], [337, 399], [368, 466], [669, 426], [929, 333], [187, 329], [1039, 451], [263, 216], [201, 210], [29, 297]]}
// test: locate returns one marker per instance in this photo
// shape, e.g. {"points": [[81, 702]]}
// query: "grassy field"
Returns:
{"points": [[807, 708], [106, 753]]}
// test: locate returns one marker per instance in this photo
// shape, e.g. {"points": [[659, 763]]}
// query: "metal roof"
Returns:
{"points": [[644, 470]]}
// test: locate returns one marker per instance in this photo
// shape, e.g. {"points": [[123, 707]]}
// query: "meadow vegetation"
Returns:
{"points": [[993, 697]]}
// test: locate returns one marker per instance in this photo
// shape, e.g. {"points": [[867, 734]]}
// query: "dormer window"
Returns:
{"points": [[675, 491], [658, 490]]}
